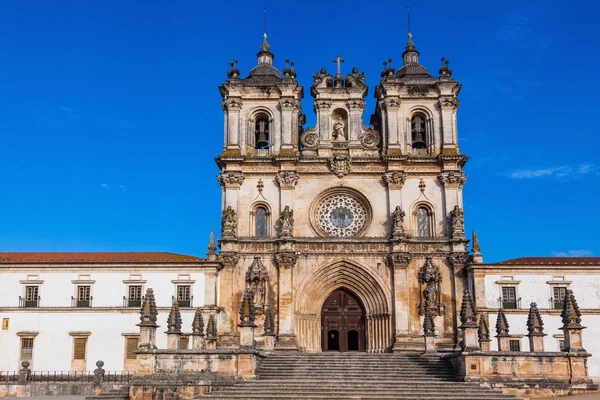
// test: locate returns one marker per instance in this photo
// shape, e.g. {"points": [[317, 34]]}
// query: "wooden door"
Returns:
{"points": [[342, 323]]}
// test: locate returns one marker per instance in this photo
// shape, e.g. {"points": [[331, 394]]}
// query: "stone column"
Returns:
{"points": [[286, 261], [535, 327], [227, 292], [288, 106], [572, 328], [147, 323], [502, 332], [230, 181], [399, 263], [448, 106], [173, 326], [469, 326], [429, 332], [391, 109], [232, 107]]}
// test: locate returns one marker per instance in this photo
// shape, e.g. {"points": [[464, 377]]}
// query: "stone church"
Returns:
{"points": [[347, 233]]}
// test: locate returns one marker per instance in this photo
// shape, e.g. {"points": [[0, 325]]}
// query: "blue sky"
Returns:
{"points": [[110, 115]]}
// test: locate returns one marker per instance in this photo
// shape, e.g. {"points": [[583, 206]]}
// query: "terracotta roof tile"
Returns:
{"points": [[551, 261], [102, 257]]}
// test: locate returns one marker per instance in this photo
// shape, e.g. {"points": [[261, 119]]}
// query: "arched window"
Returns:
{"points": [[418, 129], [423, 222], [260, 222], [261, 132]]}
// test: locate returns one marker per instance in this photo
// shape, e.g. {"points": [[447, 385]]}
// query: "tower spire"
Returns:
{"points": [[264, 55]]}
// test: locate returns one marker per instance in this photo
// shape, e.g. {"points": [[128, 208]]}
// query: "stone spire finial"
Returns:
{"points": [[269, 325], [247, 312], [571, 316], [211, 328], [502, 324], [535, 325], [444, 70], [198, 323], [476, 258], [211, 243], [428, 323], [484, 330], [468, 316], [475, 244], [174, 318], [148, 312]]}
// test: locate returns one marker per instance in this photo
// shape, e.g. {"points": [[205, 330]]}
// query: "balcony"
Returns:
{"points": [[509, 304], [23, 303], [132, 302], [77, 303], [185, 303]]}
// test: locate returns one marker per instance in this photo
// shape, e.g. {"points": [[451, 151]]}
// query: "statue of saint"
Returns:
{"points": [[229, 222], [398, 222], [338, 131], [287, 222]]}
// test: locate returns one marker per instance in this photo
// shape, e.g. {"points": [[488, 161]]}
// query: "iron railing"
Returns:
{"points": [[509, 305], [23, 303], [184, 303], [76, 303], [127, 302], [556, 304], [61, 376]]}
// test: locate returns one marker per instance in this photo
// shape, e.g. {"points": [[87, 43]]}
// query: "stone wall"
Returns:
{"points": [[32, 389]]}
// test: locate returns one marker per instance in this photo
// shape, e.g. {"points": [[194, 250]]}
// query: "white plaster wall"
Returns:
{"points": [[107, 320], [534, 288]]}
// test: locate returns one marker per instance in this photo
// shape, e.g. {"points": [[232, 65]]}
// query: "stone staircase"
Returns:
{"points": [[114, 394], [356, 376]]}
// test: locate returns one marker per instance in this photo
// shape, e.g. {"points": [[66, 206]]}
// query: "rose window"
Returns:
{"points": [[340, 215]]}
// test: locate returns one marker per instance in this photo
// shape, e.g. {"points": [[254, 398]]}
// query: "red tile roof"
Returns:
{"points": [[102, 257], [551, 261]]}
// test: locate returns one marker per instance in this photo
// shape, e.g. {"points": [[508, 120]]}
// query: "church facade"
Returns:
{"points": [[349, 233]]}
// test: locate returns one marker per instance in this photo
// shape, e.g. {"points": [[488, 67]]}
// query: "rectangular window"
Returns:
{"points": [[561, 345], [509, 297], [83, 296], [4, 324], [79, 344], [131, 343], [32, 296], [559, 297], [184, 295], [26, 349], [183, 343], [515, 345], [135, 296]]}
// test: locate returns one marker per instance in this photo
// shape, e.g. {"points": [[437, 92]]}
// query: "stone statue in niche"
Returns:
{"points": [[430, 278], [257, 280], [458, 223], [229, 222], [398, 223], [338, 131], [287, 222]]}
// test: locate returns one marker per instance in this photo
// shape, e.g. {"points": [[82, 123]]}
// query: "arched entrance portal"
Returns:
{"points": [[343, 322]]}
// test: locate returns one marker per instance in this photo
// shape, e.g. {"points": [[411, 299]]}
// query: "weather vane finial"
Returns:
{"points": [[265, 22], [408, 15]]}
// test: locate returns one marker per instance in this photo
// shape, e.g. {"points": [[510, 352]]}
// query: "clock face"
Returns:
{"points": [[340, 215]]}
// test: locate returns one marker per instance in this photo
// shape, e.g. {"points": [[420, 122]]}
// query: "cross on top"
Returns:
{"points": [[339, 62]]}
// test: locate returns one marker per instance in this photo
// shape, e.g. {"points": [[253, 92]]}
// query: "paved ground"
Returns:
{"points": [[595, 396]]}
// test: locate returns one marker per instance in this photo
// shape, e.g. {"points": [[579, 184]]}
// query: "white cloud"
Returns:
{"points": [[572, 253], [564, 171], [105, 186]]}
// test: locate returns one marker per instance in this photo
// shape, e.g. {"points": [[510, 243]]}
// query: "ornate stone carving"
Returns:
{"points": [[198, 323], [452, 179], [310, 138], [502, 324], [458, 260], [229, 258], [289, 104], [428, 323], [229, 223], [340, 165], [322, 79], [232, 104], [399, 260], [148, 312], [422, 186], [260, 186], [423, 247], [430, 278], [394, 179], [286, 219], [287, 179], [391, 103], [342, 248], [571, 316], [418, 90], [211, 328], [247, 312], [211, 244], [468, 316], [355, 79], [231, 179], [286, 259], [535, 325], [483, 331], [398, 223], [458, 223], [451, 103], [174, 318], [369, 138], [356, 104], [269, 324], [257, 282]]}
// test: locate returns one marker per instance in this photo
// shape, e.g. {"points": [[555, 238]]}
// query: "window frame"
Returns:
{"points": [[129, 351], [22, 341], [430, 220], [76, 340], [78, 303], [252, 219], [512, 341], [186, 303], [514, 304], [137, 302], [34, 302]]}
